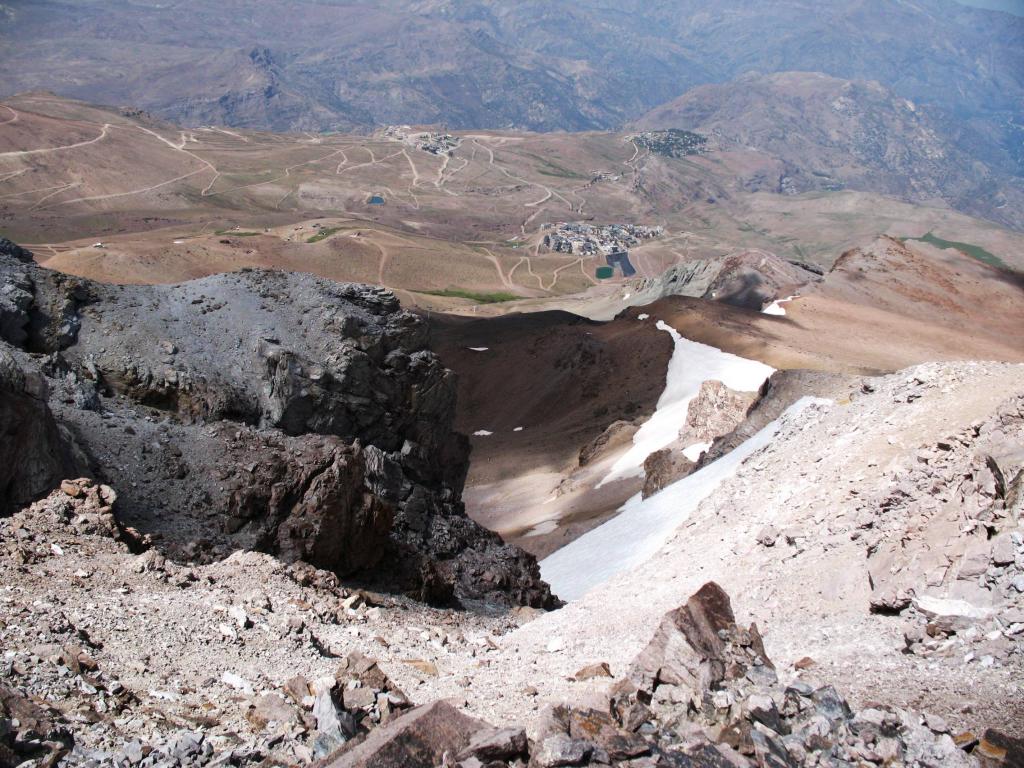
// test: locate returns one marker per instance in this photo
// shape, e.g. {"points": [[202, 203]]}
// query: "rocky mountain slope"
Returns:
{"points": [[268, 411], [832, 670], [832, 134]]}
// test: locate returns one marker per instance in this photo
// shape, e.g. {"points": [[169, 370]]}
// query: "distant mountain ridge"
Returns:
{"points": [[536, 64]]}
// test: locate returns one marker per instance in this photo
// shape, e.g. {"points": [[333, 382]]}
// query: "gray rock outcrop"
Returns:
{"points": [[35, 453], [280, 411]]}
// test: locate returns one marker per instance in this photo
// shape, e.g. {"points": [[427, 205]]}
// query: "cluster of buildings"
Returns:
{"points": [[586, 239], [434, 143], [672, 143]]}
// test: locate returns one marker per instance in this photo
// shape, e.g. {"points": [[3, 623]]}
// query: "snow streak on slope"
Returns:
{"points": [[691, 365], [644, 525]]}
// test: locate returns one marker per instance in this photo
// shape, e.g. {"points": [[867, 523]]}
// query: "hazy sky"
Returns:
{"points": [[1013, 6]]}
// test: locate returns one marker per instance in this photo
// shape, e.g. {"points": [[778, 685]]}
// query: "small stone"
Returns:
{"points": [[297, 688], [352, 601], [133, 751], [239, 616], [271, 708], [935, 723], [425, 667], [989, 751], [359, 698], [1003, 550], [592, 671], [496, 744], [768, 536], [237, 682], [71, 488], [805, 663], [965, 741], [722, 699], [330, 733]]}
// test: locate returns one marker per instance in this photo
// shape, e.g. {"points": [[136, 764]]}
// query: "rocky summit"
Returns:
{"points": [[260, 410]]}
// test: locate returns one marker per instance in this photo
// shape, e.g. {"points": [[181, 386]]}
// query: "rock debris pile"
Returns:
{"points": [[703, 694]]}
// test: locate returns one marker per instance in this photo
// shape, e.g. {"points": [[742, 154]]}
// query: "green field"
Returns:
{"points": [[233, 233], [323, 234], [974, 251], [478, 297]]}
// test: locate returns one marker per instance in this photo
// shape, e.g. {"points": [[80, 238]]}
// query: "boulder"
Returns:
{"points": [[664, 467], [496, 744], [697, 646], [311, 504], [616, 435], [418, 739]]}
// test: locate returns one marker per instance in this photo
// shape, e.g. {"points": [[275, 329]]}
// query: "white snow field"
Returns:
{"points": [[644, 525], [691, 365]]}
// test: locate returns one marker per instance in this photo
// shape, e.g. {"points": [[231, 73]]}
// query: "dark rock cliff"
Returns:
{"points": [[267, 410]]}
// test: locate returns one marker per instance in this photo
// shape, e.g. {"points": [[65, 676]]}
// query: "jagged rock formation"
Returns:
{"points": [[782, 389], [326, 422], [750, 279], [717, 410]]}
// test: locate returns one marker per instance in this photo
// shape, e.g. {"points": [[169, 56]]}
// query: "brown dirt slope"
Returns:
{"points": [[560, 377], [881, 308]]}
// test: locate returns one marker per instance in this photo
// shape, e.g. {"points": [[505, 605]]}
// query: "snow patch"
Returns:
{"points": [[776, 308], [691, 365], [518, 429], [482, 433], [643, 526], [694, 451], [642, 317], [478, 349]]}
